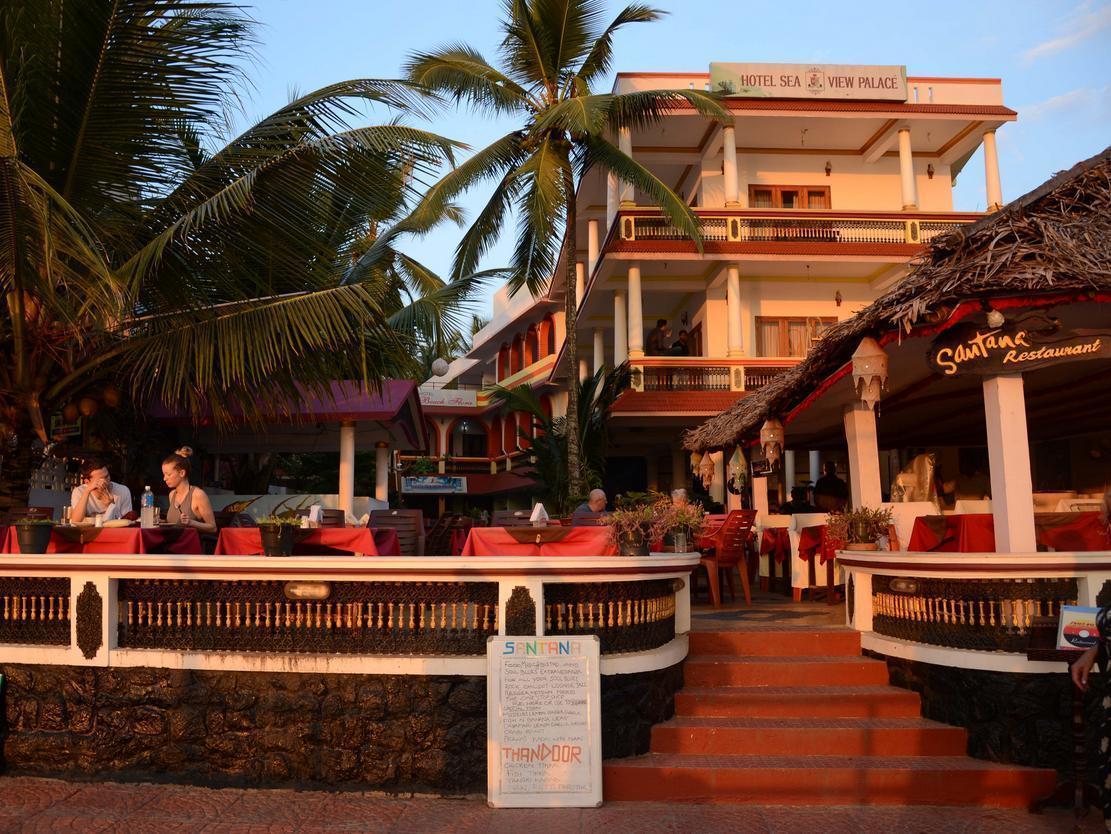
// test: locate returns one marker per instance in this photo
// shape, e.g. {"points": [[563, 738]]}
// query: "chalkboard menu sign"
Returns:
{"points": [[544, 722]]}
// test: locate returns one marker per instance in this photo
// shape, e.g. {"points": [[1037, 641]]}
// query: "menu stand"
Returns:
{"points": [[1077, 791]]}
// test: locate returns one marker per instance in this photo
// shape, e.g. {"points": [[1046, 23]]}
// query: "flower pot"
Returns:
{"points": [[862, 546], [33, 538], [680, 542], [632, 546], [277, 539]]}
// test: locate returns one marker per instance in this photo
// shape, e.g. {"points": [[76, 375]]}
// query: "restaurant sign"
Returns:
{"points": [[827, 81], [434, 484], [1021, 344]]}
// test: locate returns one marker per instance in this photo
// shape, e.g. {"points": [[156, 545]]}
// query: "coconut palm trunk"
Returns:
{"points": [[571, 306]]}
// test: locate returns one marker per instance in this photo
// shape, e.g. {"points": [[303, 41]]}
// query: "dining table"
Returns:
{"points": [[247, 541], [572, 541], [975, 533], [165, 539]]}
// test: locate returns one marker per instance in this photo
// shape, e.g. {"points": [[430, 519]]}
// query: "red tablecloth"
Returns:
{"points": [[458, 541], [580, 541], [810, 542], [775, 541], [247, 541], [975, 533], [387, 542], [183, 540]]}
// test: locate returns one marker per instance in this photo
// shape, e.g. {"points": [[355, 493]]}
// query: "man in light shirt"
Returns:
{"points": [[97, 494]]}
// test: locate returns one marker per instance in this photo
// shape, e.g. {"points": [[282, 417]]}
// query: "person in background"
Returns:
{"points": [[595, 502], [831, 494], [189, 505], [681, 346], [1080, 669], [679, 497], [658, 339], [798, 503], [97, 494]]}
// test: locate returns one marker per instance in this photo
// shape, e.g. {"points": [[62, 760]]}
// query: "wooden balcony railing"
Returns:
{"points": [[698, 373]]}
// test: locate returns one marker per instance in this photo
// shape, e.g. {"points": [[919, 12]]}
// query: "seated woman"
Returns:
{"points": [[97, 494], [189, 505]]}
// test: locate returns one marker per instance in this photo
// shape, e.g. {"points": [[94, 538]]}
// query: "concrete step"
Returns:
{"points": [[824, 780], [798, 701], [777, 642], [808, 737], [729, 670]]}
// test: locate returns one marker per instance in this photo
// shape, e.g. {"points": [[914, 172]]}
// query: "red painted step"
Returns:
{"points": [[727, 670], [808, 737], [823, 780], [777, 643], [798, 701]]}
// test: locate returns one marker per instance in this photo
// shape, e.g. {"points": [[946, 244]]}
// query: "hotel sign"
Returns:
{"points": [[1021, 344], [448, 397], [810, 81], [434, 484]]}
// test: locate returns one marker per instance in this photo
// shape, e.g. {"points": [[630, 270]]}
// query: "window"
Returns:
{"points": [[789, 336], [789, 196]]}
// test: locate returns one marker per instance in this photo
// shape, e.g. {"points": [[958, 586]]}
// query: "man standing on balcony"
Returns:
{"points": [[659, 339]]}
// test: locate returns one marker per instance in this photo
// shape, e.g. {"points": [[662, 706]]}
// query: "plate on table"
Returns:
{"points": [[117, 522]]}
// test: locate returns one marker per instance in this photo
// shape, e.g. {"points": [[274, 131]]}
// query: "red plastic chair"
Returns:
{"points": [[727, 548]]}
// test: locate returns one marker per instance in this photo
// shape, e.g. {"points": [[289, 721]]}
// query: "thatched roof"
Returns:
{"points": [[1057, 238]]}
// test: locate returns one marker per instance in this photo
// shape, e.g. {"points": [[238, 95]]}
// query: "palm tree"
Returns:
{"points": [[551, 439], [552, 52], [137, 248]]}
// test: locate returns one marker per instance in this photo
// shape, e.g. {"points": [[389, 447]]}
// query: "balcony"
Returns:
{"points": [[732, 229], [699, 373]]}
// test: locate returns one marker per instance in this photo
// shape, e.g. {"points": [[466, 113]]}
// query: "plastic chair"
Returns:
{"points": [[726, 548], [409, 525]]}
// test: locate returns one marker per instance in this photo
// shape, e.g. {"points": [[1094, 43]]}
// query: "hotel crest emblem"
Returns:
{"points": [[815, 80]]}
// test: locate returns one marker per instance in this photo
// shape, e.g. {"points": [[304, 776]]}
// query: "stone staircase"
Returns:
{"points": [[798, 717]]}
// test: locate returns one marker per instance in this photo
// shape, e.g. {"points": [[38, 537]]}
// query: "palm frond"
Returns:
{"points": [[463, 74], [600, 58], [542, 203]]}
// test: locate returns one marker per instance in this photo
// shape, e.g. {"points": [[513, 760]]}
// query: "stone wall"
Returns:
{"points": [[390, 732], [1014, 718]]}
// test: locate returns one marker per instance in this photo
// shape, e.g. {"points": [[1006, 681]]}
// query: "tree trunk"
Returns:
{"points": [[571, 307], [17, 461]]}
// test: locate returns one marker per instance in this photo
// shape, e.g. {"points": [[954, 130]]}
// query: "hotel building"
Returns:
{"points": [[812, 201]]}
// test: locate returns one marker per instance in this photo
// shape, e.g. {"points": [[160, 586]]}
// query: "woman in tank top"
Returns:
{"points": [[189, 505]]}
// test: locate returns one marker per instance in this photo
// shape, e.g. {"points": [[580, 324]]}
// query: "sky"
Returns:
{"points": [[1054, 59]]}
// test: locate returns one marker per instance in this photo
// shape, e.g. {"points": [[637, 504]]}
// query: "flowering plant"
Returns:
{"points": [[635, 526], [864, 525]]}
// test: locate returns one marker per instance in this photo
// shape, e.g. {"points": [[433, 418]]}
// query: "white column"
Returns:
{"points": [[760, 498], [625, 145], [381, 471], [815, 466], [991, 172], [599, 350], [620, 330], [636, 314], [612, 200], [729, 152], [906, 171], [735, 345], [864, 456], [584, 370], [591, 246], [580, 283], [788, 470], [346, 466], [1012, 499]]}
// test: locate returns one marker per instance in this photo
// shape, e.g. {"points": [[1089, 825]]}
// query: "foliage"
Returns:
{"points": [[551, 53], [860, 525], [283, 520], [33, 522], [140, 246], [687, 518], [421, 466], [549, 446]]}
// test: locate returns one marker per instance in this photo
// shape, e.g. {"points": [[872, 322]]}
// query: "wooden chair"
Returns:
{"points": [[409, 525], [511, 518], [727, 549], [438, 540], [328, 517], [588, 519]]}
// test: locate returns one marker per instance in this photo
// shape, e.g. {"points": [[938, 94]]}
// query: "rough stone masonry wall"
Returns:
{"points": [[390, 732]]}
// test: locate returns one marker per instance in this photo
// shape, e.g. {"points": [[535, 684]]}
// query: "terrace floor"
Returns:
{"points": [[50, 805], [768, 610]]}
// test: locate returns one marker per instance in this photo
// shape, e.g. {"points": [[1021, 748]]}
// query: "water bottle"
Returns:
{"points": [[146, 513]]}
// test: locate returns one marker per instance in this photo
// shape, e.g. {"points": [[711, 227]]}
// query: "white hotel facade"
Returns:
{"points": [[812, 201]]}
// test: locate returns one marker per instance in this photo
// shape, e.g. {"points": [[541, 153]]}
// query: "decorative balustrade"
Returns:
{"points": [[701, 374], [753, 226], [36, 611], [626, 616]]}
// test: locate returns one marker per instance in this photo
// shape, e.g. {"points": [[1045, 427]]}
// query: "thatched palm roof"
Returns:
{"points": [[1055, 239]]}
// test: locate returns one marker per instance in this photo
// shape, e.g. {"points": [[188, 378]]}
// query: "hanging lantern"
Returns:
{"points": [[70, 412], [88, 406], [695, 458], [869, 371], [706, 470], [771, 441], [111, 396]]}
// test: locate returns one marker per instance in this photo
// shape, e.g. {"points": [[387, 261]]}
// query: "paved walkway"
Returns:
{"points": [[50, 805]]}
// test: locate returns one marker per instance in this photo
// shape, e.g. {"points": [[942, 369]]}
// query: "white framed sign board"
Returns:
{"points": [[543, 722]]}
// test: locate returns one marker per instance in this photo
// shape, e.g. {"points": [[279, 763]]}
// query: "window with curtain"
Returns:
{"points": [[789, 335], [789, 196]]}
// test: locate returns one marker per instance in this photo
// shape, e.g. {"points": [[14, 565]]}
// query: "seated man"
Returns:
{"points": [[798, 503], [97, 494], [681, 346], [595, 503]]}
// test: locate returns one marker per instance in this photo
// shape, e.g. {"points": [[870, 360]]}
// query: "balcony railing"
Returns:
{"points": [[697, 373], [754, 226]]}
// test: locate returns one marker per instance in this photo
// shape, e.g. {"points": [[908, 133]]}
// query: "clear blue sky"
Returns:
{"points": [[1054, 59]]}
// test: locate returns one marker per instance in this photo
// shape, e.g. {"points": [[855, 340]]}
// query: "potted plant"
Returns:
{"points": [[859, 529], [421, 466], [684, 522], [33, 534], [276, 532], [637, 522]]}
